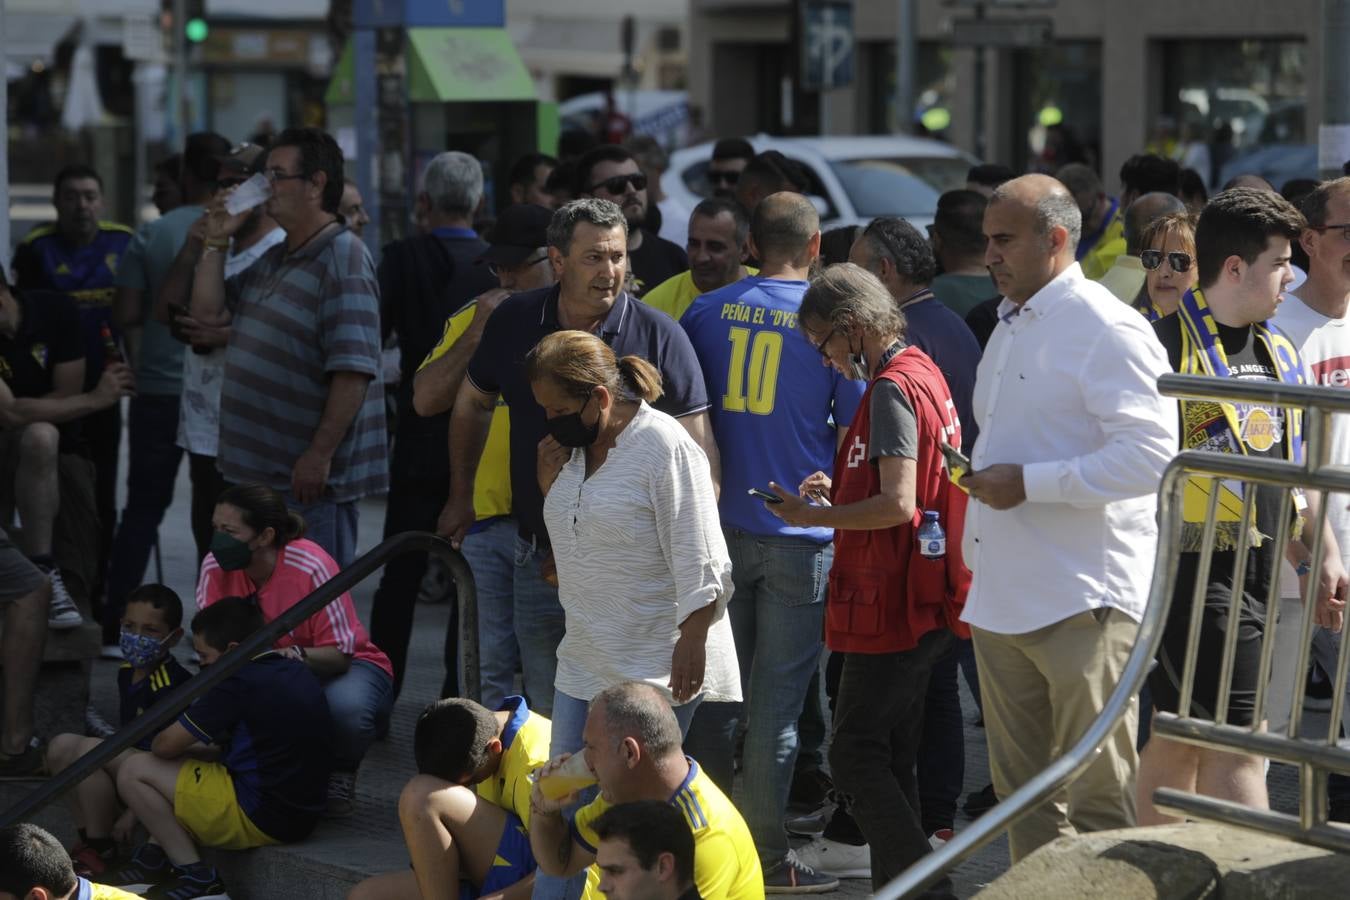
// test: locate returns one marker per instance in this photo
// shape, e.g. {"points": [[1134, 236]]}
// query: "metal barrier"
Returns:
{"points": [[159, 715], [1315, 758]]}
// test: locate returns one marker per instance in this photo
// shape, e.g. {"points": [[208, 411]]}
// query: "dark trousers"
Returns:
{"points": [[154, 454], [207, 486], [103, 432], [877, 722], [418, 487], [942, 746]]}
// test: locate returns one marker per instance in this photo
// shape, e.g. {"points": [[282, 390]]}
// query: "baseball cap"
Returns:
{"points": [[518, 232], [244, 159]]}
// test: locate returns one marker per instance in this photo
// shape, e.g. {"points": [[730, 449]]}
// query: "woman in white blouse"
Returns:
{"points": [[643, 571]]}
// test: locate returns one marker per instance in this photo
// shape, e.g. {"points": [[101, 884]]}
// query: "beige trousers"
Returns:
{"points": [[1041, 690]]}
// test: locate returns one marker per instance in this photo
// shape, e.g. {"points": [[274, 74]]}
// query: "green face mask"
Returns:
{"points": [[231, 553]]}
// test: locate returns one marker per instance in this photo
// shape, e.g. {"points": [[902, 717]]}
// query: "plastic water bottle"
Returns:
{"points": [[932, 539]]}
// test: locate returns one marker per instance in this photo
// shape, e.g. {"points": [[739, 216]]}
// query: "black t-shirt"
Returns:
{"points": [[423, 280], [1261, 431], [655, 261], [48, 336]]}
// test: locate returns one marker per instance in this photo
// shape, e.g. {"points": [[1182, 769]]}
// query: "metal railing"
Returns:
{"points": [[1315, 758], [159, 715]]}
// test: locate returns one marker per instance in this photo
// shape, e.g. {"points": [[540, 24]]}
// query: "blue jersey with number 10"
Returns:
{"points": [[774, 405]]}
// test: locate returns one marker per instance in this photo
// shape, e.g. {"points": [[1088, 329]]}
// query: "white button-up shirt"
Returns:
{"points": [[639, 547], [1067, 389]]}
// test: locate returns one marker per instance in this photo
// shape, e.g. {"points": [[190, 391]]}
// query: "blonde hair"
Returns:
{"points": [[578, 362], [1182, 224]]}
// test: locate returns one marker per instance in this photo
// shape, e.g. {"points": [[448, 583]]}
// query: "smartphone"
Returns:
{"points": [[764, 495], [958, 464]]}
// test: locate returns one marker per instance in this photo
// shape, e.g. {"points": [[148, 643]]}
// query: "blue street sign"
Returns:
{"points": [[827, 45], [429, 13]]}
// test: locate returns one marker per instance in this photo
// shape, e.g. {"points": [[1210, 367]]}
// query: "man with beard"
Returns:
{"points": [[609, 172]]}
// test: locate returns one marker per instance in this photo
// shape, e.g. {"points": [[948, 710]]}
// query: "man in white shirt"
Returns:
{"points": [[1061, 539], [1317, 320]]}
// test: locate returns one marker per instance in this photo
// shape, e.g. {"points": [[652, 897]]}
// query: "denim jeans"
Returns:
{"points": [[359, 701], [152, 466], [330, 525], [539, 625], [878, 717], [490, 553], [777, 613]]}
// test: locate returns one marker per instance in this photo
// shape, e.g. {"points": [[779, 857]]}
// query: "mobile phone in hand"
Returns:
{"points": [[764, 495]]}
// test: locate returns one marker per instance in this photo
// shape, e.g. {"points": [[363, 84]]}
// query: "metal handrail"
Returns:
{"points": [[1321, 401], [159, 715]]}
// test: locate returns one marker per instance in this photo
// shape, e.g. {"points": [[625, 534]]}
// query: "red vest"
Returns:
{"points": [[885, 595]]}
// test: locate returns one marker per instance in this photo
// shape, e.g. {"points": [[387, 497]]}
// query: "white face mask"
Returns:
{"points": [[859, 363]]}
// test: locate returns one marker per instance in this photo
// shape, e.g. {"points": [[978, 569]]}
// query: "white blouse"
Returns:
{"points": [[639, 548]]}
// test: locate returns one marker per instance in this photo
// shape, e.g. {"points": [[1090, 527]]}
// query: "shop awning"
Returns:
{"points": [[448, 65]]}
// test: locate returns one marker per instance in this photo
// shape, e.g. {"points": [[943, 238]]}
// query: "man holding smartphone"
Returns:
{"points": [[775, 414]]}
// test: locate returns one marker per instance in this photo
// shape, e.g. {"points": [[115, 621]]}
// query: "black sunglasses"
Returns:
{"points": [[1180, 262], [618, 184], [724, 176]]}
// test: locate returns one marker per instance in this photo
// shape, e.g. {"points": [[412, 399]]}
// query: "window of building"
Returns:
{"points": [[1247, 93]]}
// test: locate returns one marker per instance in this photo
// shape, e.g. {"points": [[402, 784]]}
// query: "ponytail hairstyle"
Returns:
{"points": [[261, 508], [579, 362]]}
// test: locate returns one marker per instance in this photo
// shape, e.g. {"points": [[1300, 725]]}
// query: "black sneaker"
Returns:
{"points": [[148, 867], [182, 886], [980, 802], [31, 763], [790, 876]]}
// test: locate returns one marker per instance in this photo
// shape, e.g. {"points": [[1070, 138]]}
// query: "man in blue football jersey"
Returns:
{"points": [[775, 415]]}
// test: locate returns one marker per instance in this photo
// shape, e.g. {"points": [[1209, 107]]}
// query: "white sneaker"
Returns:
{"points": [[840, 860], [62, 615], [95, 725], [110, 651]]}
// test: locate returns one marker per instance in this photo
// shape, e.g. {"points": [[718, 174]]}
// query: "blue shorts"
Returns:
{"points": [[514, 862]]}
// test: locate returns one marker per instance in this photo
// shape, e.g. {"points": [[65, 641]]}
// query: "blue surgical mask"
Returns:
{"points": [[141, 650]]}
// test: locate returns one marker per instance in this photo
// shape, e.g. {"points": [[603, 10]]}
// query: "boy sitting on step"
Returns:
{"points": [[267, 724], [151, 626], [465, 814]]}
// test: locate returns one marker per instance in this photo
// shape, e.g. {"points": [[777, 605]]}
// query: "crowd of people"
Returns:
{"points": [[704, 488]]}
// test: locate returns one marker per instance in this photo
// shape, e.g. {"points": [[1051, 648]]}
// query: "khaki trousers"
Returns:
{"points": [[1041, 690]]}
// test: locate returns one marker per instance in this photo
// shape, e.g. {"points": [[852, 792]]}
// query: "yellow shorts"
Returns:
{"points": [[205, 803]]}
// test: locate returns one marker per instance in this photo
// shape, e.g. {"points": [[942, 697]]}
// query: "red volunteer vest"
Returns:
{"points": [[885, 595]]}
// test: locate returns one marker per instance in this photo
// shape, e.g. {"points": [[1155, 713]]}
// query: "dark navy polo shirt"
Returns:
{"points": [[631, 329]]}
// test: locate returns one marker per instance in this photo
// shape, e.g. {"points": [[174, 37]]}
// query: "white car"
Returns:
{"points": [[853, 179]]}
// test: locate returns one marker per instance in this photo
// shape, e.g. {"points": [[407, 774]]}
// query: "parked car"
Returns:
{"points": [[853, 179]]}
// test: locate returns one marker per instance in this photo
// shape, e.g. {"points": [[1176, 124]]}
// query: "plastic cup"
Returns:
{"points": [[572, 776], [251, 193]]}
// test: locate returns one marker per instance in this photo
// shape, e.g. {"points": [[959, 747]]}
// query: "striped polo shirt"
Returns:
{"points": [[299, 317]]}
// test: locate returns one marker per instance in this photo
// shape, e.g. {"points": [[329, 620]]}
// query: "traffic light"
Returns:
{"points": [[195, 30]]}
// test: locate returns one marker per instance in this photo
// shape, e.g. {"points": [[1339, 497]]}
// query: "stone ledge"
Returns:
{"points": [[1176, 862]]}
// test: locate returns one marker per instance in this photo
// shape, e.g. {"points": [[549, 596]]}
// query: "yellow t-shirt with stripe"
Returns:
{"points": [[492, 486], [525, 741], [726, 866]]}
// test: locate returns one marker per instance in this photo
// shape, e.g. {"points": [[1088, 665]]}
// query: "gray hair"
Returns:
{"points": [[1054, 208], [593, 211], [636, 709], [453, 182], [847, 296]]}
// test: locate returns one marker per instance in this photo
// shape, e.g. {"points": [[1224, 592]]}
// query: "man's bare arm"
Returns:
{"points": [[437, 384], [470, 419], [699, 426]]}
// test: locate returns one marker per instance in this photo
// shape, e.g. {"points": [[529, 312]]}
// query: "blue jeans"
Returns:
{"points": [[539, 626], [490, 553], [330, 525], [777, 614], [152, 466], [358, 700]]}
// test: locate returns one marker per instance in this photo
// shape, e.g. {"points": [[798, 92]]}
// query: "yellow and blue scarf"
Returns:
{"points": [[1214, 425]]}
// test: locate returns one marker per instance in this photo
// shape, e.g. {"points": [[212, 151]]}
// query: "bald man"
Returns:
{"points": [[1061, 534], [780, 412], [1126, 275]]}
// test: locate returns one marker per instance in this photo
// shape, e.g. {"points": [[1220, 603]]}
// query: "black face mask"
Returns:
{"points": [[570, 431]]}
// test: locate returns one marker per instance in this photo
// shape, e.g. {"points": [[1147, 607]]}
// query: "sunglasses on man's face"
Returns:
{"points": [[618, 184], [1180, 262], [724, 177]]}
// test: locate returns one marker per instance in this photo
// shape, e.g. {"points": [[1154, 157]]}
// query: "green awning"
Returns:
{"points": [[447, 65]]}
